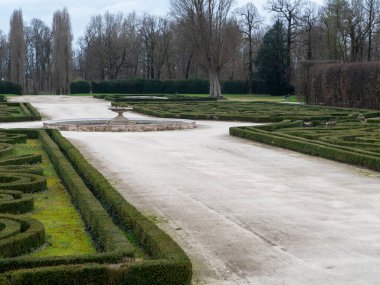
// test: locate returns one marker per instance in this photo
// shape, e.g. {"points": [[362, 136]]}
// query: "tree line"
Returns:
{"points": [[205, 39]]}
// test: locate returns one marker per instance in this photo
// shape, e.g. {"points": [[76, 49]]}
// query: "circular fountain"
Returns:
{"points": [[119, 124]]}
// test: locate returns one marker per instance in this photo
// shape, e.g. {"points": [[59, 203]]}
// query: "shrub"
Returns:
{"points": [[23, 234], [353, 85], [7, 87], [15, 202], [80, 87]]}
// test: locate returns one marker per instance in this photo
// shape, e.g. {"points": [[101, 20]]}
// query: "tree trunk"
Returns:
{"points": [[215, 90]]}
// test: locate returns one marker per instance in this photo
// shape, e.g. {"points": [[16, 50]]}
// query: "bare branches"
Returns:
{"points": [[62, 51]]}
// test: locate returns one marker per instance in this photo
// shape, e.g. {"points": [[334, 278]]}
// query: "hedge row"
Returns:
{"points": [[80, 87], [149, 86], [170, 265], [310, 146], [7, 87], [159, 98], [109, 236], [18, 112]]}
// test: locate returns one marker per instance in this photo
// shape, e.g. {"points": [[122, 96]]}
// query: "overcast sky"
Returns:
{"points": [[81, 10]]}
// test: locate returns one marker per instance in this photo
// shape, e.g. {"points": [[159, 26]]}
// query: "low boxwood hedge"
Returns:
{"points": [[310, 146], [108, 218], [23, 235], [15, 202]]}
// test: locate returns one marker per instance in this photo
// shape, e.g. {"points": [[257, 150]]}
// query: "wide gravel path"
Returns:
{"points": [[245, 213]]}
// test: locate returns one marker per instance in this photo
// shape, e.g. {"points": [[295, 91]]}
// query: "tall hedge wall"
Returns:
{"points": [[80, 87], [7, 87], [192, 86], [353, 85]]}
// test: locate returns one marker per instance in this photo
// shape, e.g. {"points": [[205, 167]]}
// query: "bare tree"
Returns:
{"points": [[250, 22], [372, 18], [210, 27], [38, 46], [289, 10], [17, 48], [309, 20], [62, 51], [3, 57]]}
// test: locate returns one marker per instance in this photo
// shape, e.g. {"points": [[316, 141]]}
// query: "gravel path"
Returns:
{"points": [[245, 213]]}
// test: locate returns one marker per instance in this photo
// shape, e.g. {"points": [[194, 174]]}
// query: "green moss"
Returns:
{"points": [[65, 233]]}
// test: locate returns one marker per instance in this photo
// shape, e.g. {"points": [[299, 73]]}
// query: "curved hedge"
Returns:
{"points": [[15, 202], [19, 235], [25, 182]]}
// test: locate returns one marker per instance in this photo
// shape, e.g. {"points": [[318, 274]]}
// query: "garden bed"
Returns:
{"points": [[116, 244]]}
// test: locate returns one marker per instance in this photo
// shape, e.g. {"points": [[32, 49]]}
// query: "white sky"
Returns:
{"points": [[81, 10]]}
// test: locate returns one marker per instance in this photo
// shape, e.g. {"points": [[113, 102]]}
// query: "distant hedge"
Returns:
{"points": [[192, 86], [80, 87], [7, 87], [353, 85]]}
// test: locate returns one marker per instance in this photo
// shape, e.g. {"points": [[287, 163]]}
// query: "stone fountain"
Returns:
{"points": [[119, 124], [120, 119]]}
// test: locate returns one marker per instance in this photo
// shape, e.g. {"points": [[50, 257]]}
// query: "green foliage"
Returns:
{"points": [[15, 202], [19, 235], [101, 206], [350, 141], [80, 87], [18, 112], [171, 265], [191, 86], [157, 98], [243, 111], [7, 87], [271, 60], [109, 236]]}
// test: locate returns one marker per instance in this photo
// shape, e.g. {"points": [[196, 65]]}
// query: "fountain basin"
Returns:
{"points": [[106, 125]]}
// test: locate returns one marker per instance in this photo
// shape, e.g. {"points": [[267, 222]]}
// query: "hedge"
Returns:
{"points": [[80, 87], [15, 202], [110, 237], [101, 206], [191, 86], [7, 87], [170, 264], [312, 147], [29, 235], [167, 98], [19, 112]]}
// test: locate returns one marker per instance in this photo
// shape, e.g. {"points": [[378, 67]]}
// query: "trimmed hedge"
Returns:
{"points": [[171, 265], [29, 235], [18, 112], [109, 236], [191, 86], [80, 87], [165, 98], [15, 202], [22, 159], [166, 264], [7, 87], [259, 112], [310, 146]]}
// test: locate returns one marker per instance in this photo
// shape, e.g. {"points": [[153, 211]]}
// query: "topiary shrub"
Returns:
{"points": [[80, 87], [7, 87]]}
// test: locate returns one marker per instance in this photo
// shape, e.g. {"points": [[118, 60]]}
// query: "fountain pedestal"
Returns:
{"points": [[120, 119]]}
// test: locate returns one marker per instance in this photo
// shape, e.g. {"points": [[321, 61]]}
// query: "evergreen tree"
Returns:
{"points": [[271, 60]]}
